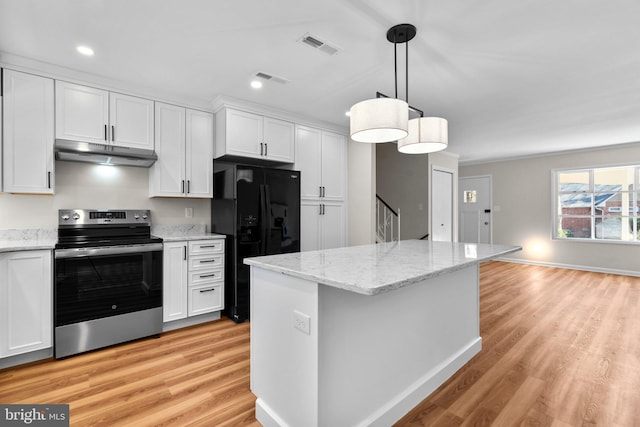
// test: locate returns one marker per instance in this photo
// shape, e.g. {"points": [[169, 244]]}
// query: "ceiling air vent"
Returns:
{"points": [[316, 43], [271, 77]]}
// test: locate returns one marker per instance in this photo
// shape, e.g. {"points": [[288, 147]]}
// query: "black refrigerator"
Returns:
{"points": [[258, 209]]}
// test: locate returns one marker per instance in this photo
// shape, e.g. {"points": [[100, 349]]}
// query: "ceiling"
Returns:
{"points": [[514, 78]]}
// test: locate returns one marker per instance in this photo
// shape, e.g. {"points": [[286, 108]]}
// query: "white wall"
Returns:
{"points": [[522, 199], [86, 186], [401, 181], [362, 193]]}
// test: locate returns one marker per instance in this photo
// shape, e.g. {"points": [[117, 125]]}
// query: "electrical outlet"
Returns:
{"points": [[301, 322], [188, 212]]}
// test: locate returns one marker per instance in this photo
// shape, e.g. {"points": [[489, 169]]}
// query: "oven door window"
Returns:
{"points": [[94, 287]]}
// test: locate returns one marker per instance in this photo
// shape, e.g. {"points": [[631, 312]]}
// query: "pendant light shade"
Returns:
{"points": [[379, 120], [426, 135]]}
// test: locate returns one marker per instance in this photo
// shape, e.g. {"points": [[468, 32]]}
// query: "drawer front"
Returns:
{"points": [[203, 277], [206, 246], [208, 262], [205, 299]]}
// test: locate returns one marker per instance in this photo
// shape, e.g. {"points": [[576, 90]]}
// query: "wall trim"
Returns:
{"points": [[571, 266]]}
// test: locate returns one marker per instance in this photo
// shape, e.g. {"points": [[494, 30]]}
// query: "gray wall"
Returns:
{"points": [[401, 181], [86, 186], [522, 191]]}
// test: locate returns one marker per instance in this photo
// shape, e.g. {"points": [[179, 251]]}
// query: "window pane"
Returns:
{"points": [[574, 227], [608, 228], [614, 179], [575, 204], [573, 181]]}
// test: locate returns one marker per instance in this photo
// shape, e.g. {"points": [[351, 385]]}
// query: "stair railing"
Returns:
{"points": [[388, 222]]}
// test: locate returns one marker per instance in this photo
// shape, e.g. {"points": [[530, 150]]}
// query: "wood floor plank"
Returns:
{"points": [[560, 349]]}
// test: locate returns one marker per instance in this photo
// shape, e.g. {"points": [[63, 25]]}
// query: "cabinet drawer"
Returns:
{"points": [[204, 299], [203, 277], [206, 246], [201, 262]]}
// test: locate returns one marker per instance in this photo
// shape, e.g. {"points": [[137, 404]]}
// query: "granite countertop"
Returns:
{"points": [[180, 232], [373, 269], [27, 239]]}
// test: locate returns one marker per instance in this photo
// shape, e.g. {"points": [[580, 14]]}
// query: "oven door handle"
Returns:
{"points": [[106, 250]]}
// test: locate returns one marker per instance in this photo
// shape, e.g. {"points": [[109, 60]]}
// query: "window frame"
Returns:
{"points": [[633, 195]]}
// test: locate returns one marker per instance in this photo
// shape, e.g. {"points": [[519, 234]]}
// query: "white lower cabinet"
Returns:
{"points": [[322, 225], [26, 282], [193, 278]]}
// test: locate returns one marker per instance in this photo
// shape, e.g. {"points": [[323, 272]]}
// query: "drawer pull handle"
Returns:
{"points": [[207, 290], [204, 261], [207, 275], [207, 247]]}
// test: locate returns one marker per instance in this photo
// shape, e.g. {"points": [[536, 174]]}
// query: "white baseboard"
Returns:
{"points": [[190, 321], [572, 267], [266, 416]]}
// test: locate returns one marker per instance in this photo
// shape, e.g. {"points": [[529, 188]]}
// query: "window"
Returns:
{"points": [[598, 204]]}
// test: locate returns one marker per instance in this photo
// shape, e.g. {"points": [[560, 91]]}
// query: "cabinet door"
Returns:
{"points": [[25, 302], [199, 154], [308, 157], [243, 134], [278, 138], [309, 226], [167, 175], [28, 133], [334, 165], [131, 120], [174, 281], [332, 231], [82, 113]]}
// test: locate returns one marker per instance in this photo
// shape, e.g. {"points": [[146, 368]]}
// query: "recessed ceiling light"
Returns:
{"points": [[347, 113], [256, 84], [85, 50]]}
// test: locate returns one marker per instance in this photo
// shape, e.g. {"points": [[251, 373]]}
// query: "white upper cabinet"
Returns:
{"points": [[199, 154], [184, 145], [243, 134], [28, 133], [321, 156], [131, 120], [93, 115]]}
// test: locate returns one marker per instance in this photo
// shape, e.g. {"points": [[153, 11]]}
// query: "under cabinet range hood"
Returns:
{"points": [[75, 151]]}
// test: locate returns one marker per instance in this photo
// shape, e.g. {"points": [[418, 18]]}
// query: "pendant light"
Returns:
{"points": [[426, 135], [384, 119]]}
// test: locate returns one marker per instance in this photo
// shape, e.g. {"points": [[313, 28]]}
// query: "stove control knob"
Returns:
{"points": [[76, 216], [136, 216], [65, 217], [144, 216]]}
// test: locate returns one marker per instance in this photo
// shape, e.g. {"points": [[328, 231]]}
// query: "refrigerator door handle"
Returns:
{"points": [[267, 217], [263, 219]]}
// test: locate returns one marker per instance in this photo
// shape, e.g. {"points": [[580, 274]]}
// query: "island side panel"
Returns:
{"points": [[284, 360], [381, 355]]}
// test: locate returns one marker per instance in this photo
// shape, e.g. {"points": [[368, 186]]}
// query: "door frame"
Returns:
{"points": [[454, 200], [490, 201]]}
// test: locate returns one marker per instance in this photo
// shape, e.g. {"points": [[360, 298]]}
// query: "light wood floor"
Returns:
{"points": [[560, 348]]}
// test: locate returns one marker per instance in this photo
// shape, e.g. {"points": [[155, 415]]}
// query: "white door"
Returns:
{"points": [[475, 209], [442, 205]]}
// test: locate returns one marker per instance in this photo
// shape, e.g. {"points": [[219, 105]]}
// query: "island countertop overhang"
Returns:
{"points": [[382, 267]]}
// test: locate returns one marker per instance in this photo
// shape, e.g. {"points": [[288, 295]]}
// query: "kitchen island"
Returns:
{"points": [[360, 335]]}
